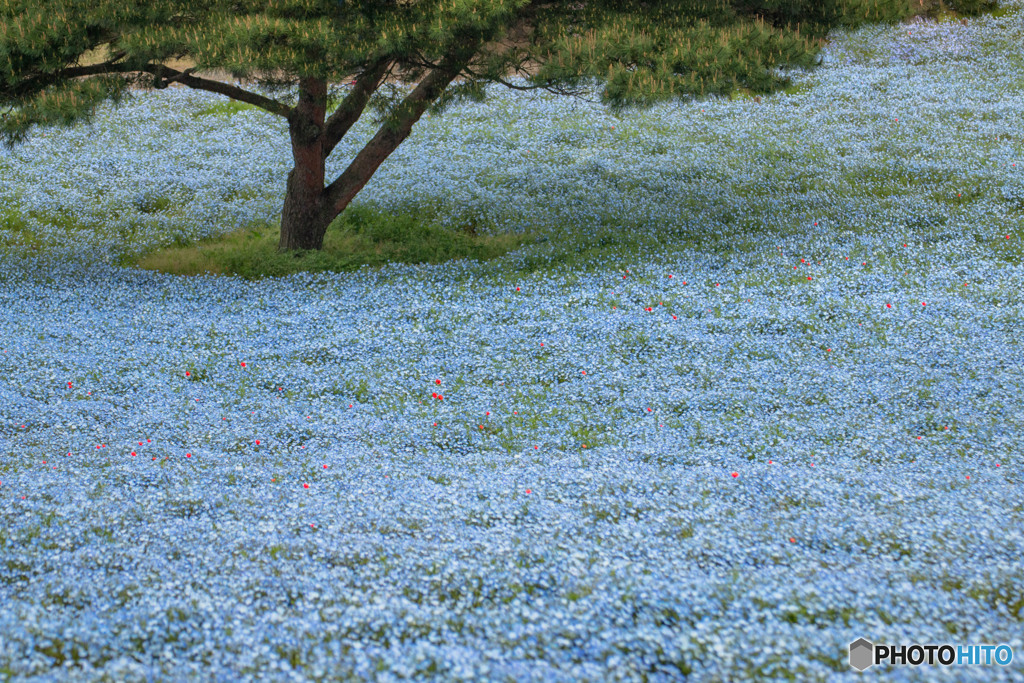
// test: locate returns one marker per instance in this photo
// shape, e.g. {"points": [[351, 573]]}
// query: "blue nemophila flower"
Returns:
{"points": [[814, 298]]}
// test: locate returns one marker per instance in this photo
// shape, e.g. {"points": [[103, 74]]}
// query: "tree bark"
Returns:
{"points": [[303, 219]]}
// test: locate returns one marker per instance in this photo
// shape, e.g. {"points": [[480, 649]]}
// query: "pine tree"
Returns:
{"points": [[60, 59]]}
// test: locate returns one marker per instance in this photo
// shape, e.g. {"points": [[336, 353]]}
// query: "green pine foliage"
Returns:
{"points": [[644, 52]]}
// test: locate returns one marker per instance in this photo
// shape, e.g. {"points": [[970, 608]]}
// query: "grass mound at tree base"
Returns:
{"points": [[361, 236]]}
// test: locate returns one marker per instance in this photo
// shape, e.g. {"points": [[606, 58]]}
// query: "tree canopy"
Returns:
{"points": [[60, 59]]}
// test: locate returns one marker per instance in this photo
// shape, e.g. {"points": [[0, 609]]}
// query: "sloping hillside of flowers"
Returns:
{"points": [[757, 395]]}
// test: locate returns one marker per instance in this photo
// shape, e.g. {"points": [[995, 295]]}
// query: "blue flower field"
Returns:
{"points": [[752, 390]]}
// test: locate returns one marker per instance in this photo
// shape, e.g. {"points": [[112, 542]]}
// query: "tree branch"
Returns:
{"points": [[392, 133], [226, 89], [352, 107], [165, 75], [76, 71], [525, 88], [39, 81]]}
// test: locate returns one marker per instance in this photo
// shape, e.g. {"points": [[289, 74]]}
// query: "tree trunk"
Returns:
{"points": [[309, 207], [307, 213], [303, 218]]}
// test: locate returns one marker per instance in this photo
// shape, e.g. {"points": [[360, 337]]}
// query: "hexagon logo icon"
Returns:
{"points": [[862, 654]]}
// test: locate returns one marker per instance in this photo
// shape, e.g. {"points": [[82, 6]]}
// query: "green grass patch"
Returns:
{"points": [[801, 88], [361, 236], [225, 109], [941, 11], [1002, 12], [15, 233]]}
